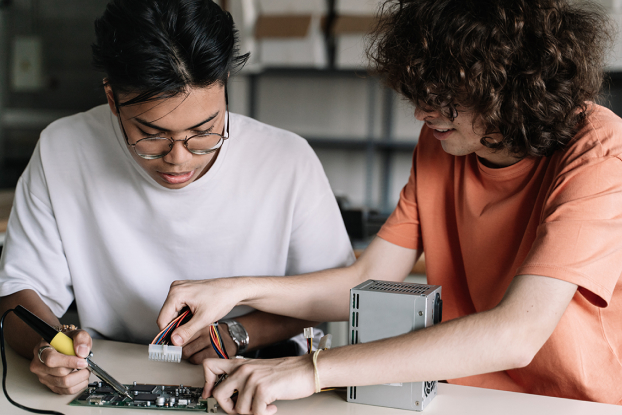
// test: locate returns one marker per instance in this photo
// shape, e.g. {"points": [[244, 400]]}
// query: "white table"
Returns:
{"points": [[129, 362]]}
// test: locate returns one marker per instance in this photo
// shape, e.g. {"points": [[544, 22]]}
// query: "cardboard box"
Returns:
{"points": [[289, 7], [291, 40], [357, 7], [350, 40]]}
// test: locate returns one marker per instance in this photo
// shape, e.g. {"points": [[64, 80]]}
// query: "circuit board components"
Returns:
{"points": [[171, 397]]}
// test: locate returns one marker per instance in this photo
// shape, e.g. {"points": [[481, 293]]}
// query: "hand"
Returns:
{"points": [[59, 372], [259, 382], [208, 300], [199, 347]]}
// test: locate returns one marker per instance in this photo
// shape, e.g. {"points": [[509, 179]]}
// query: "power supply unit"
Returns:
{"points": [[381, 309]]}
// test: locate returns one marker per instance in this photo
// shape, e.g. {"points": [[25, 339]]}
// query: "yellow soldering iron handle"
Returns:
{"points": [[63, 344], [58, 340]]}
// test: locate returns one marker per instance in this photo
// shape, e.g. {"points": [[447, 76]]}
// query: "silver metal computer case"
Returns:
{"points": [[381, 309]]}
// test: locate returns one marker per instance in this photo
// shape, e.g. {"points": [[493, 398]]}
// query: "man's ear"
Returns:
{"points": [[110, 97]]}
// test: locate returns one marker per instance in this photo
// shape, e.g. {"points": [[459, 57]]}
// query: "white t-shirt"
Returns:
{"points": [[89, 222]]}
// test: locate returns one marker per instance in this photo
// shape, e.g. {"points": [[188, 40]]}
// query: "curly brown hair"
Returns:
{"points": [[527, 68]]}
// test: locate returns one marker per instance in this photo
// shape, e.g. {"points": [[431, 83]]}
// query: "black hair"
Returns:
{"points": [[159, 48]]}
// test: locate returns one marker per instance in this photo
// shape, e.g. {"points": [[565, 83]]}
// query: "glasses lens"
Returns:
{"points": [[204, 143], [150, 147]]}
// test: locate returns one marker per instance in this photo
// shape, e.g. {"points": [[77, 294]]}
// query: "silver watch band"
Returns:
{"points": [[238, 333]]}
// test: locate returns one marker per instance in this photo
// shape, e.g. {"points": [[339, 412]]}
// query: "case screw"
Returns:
{"points": [[420, 313]]}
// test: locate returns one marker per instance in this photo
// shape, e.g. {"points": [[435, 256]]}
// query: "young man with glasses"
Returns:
{"points": [[159, 185]]}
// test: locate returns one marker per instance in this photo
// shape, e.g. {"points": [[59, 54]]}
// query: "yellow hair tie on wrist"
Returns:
{"points": [[315, 372]]}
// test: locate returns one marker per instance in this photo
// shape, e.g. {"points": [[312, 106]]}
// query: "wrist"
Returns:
{"points": [[238, 338], [250, 289], [230, 346]]}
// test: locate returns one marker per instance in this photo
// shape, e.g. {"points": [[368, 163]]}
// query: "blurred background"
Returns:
{"points": [[307, 74]]}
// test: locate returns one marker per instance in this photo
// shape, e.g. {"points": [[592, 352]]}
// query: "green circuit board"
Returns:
{"points": [[166, 397]]}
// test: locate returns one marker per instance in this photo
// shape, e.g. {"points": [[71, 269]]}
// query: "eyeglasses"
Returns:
{"points": [[151, 148]]}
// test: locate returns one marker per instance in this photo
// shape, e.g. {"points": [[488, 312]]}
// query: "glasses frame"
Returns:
{"points": [[172, 141]]}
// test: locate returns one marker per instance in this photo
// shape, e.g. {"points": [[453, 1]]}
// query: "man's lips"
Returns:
{"points": [[176, 178], [441, 133]]}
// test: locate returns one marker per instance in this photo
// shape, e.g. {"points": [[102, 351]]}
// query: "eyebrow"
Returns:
{"points": [[155, 127]]}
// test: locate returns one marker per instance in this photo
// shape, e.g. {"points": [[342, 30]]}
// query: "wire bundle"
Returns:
{"points": [[216, 339], [308, 334], [164, 337]]}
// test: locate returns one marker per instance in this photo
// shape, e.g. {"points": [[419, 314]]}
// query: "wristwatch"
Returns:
{"points": [[238, 334]]}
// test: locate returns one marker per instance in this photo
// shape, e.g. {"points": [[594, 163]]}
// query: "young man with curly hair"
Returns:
{"points": [[515, 197]]}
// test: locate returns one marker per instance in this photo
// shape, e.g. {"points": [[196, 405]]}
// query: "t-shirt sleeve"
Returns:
{"points": [[318, 238], [33, 256], [402, 228], [579, 239]]}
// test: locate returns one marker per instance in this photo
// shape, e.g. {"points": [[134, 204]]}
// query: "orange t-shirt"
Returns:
{"points": [[558, 216]]}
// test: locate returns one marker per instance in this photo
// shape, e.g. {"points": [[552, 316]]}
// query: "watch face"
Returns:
{"points": [[236, 331], [238, 334]]}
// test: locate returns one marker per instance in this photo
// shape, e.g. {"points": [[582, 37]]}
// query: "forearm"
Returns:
{"points": [[320, 295], [18, 334], [476, 344], [265, 328], [324, 295], [505, 337]]}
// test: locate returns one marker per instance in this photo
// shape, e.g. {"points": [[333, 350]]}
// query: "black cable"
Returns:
{"points": [[4, 372]]}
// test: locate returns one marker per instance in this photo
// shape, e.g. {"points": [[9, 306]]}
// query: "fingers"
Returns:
{"points": [[82, 343], [213, 369], [69, 384], [260, 382], [208, 300], [59, 372], [197, 343], [199, 349], [225, 391], [51, 359], [245, 392], [180, 296], [183, 334], [172, 305]]}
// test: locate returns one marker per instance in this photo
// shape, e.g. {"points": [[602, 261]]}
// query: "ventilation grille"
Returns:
{"points": [[352, 392], [428, 387], [354, 324], [396, 287]]}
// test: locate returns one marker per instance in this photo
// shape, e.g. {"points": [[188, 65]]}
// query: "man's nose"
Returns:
{"points": [[179, 154], [422, 115]]}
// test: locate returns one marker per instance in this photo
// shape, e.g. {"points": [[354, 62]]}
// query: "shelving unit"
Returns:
{"points": [[377, 141]]}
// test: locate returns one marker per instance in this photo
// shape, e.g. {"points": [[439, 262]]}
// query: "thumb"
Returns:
{"points": [[82, 343], [213, 369], [170, 309], [182, 334]]}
